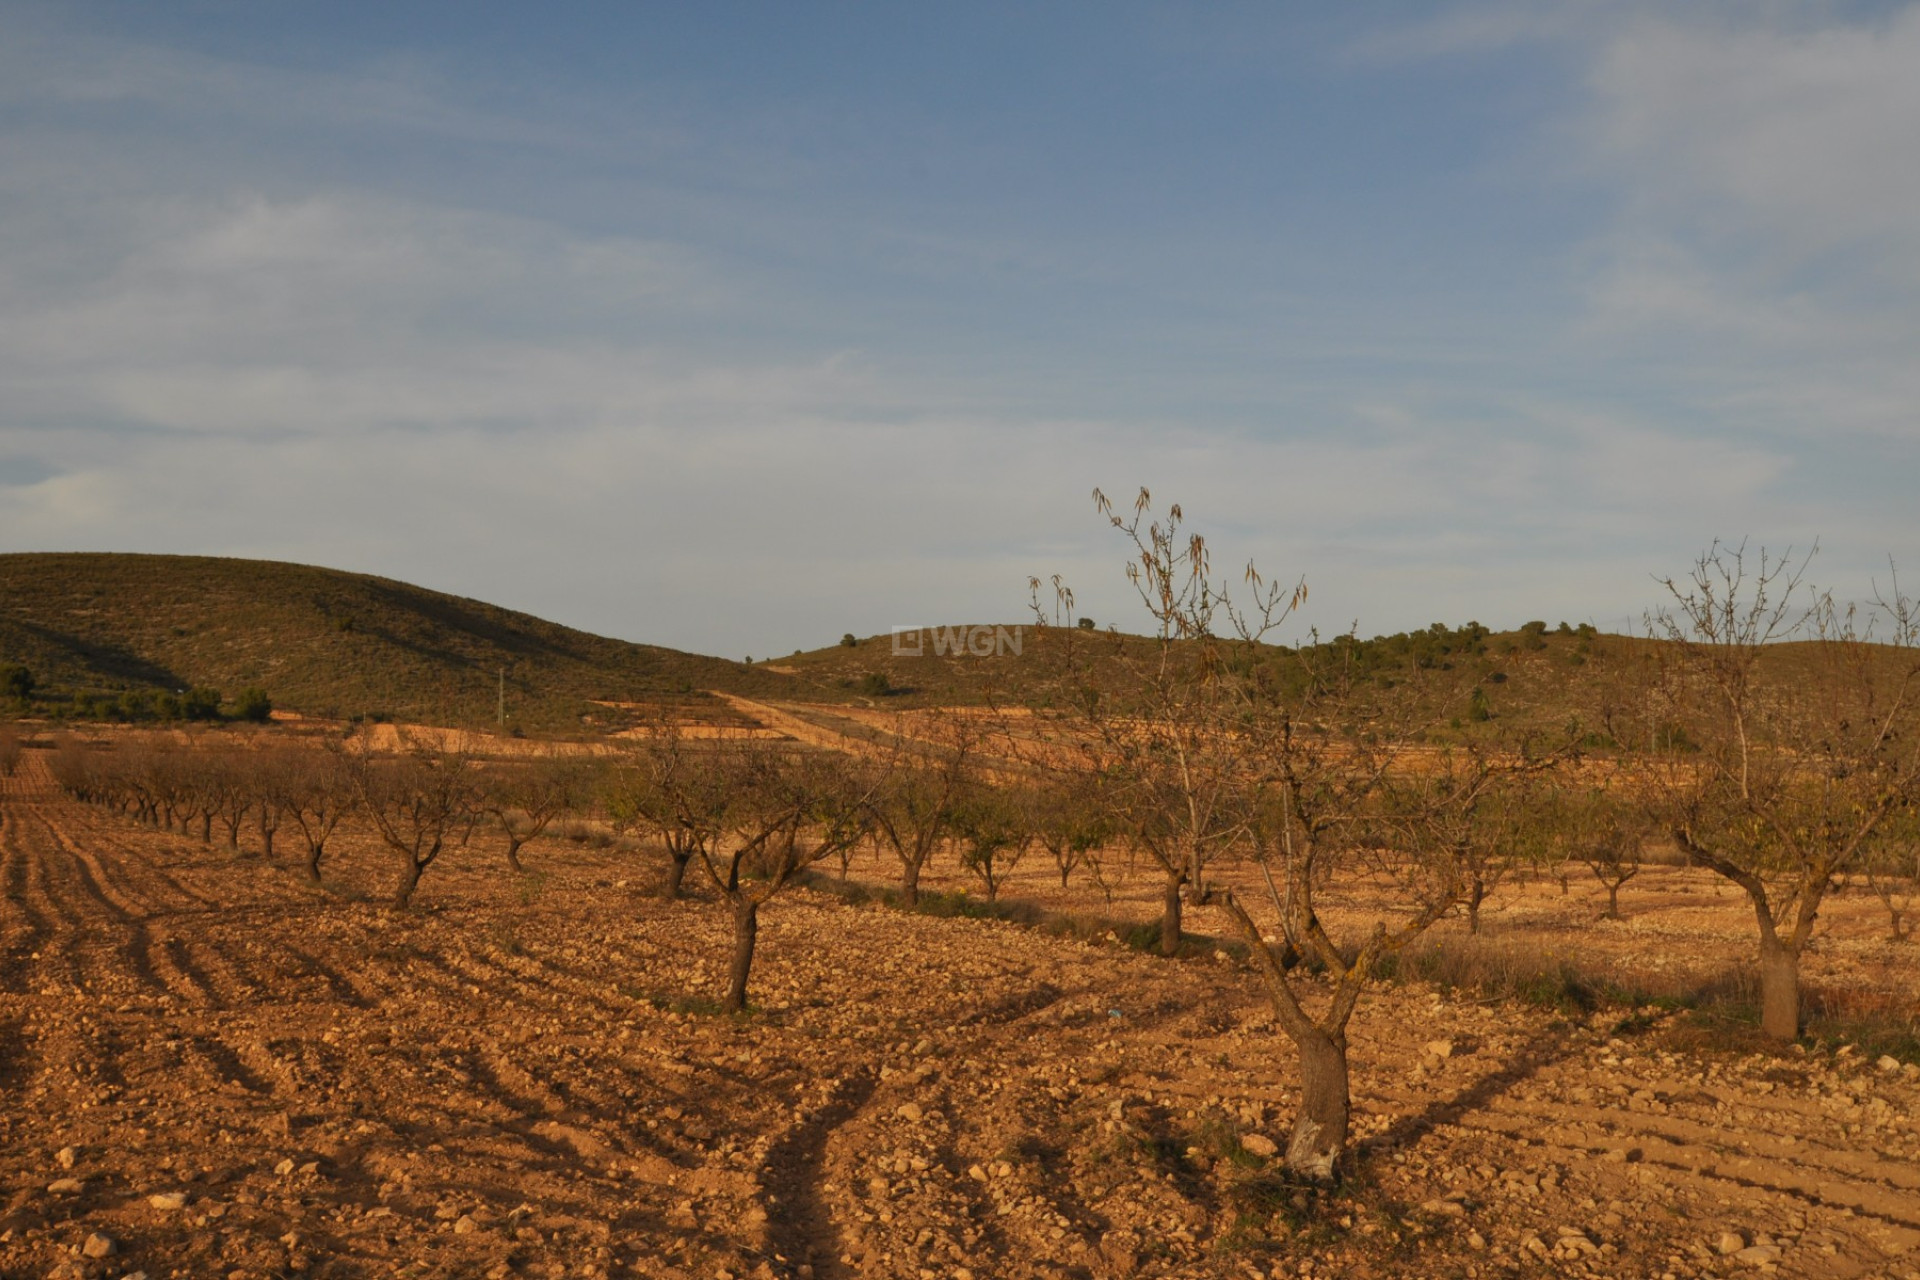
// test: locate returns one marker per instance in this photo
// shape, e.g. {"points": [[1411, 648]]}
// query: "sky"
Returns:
{"points": [[737, 326]]}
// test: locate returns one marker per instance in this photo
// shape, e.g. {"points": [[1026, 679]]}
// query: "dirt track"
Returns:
{"points": [[520, 1078]]}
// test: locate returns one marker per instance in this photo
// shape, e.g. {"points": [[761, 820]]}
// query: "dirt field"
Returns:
{"points": [[209, 1069]]}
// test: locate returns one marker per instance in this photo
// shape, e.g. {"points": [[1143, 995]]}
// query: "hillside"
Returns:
{"points": [[1536, 674], [329, 643]]}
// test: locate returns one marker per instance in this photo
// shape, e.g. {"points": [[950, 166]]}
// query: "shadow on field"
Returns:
{"points": [[800, 1225], [1543, 1050]]}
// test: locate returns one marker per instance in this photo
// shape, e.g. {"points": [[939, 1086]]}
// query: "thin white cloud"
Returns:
{"points": [[1805, 135], [1764, 170]]}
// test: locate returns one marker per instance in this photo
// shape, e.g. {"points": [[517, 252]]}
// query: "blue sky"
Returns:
{"points": [[737, 326]]}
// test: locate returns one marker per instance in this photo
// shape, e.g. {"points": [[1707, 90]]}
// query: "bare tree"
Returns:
{"points": [[231, 781], [1225, 743], [1107, 866], [995, 828], [319, 791], [1892, 866], [196, 786], [75, 769], [913, 811], [1790, 757], [1477, 809], [416, 803], [1163, 723], [1608, 840], [525, 800], [163, 773], [1323, 821], [792, 808], [678, 791], [268, 777], [1069, 820]]}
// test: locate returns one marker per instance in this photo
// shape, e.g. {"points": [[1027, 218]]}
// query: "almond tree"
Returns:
{"points": [[995, 829], [163, 775], [416, 802], [1322, 821], [1792, 756], [1290, 756], [1478, 809], [1162, 724], [272, 776], [231, 786], [318, 792], [791, 809], [1606, 837], [1069, 820], [198, 783], [679, 792], [1892, 866], [524, 800], [913, 811]]}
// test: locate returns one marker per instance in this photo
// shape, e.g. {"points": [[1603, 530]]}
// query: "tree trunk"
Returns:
{"points": [[910, 884], [410, 869], [266, 841], [206, 828], [1170, 917], [1779, 991], [676, 874], [1320, 1130], [1613, 902], [746, 928], [513, 851], [1475, 896], [313, 863]]}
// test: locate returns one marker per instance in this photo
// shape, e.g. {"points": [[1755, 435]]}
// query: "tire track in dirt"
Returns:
{"points": [[58, 946], [252, 968], [834, 1148], [533, 1115], [562, 977], [78, 887], [25, 926], [229, 987], [94, 830], [92, 873], [802, 1224]]}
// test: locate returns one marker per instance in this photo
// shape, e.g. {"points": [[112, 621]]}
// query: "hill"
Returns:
{"points": [[1535, 674], [99, 629], [329, 643]]}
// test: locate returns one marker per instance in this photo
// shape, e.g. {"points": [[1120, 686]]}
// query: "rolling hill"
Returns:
{"points": [[329, 643]]}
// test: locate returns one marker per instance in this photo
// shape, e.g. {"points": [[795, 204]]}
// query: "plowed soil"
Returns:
{"points": [[208, 1068]]}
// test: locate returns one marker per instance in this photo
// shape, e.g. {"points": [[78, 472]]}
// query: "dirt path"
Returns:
{"points": [[523, 1078]]}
